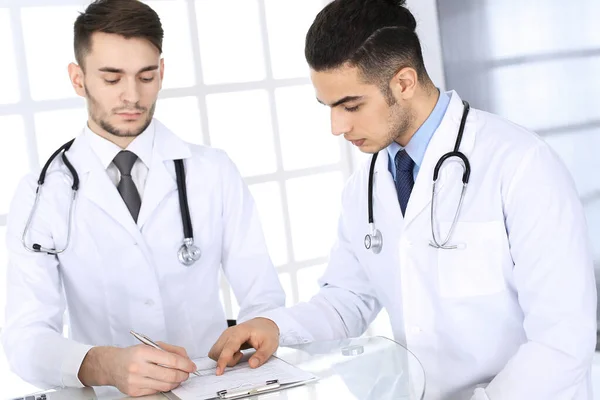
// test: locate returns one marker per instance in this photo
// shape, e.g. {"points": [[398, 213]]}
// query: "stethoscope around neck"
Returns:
{"points": [[187, 254], [374, 240]]}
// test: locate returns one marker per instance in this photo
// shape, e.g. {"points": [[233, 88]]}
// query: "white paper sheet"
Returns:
{"points": [[208, 384]]}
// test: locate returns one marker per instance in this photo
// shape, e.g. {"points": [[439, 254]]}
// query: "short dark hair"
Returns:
{"points": [[128, 18], [377, 36]]}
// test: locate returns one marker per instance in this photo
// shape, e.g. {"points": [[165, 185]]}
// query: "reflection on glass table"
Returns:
{"points": [[374, 368]]}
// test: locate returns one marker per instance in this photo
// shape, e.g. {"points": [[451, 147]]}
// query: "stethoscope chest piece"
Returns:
{"points": [[188, 253], [374, 240]]}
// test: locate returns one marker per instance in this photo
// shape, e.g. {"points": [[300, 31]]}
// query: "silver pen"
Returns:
{"points": [[147, 341]]}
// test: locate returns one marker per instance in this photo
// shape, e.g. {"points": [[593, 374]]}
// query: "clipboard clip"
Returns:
{"points": [[237, 393]]}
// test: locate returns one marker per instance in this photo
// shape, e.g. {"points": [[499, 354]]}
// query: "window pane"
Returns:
{"points": [[9, 80], [579, 152], [14, 162], [177, 46], [240, 123], [55, 128], [314, 204], [182, 116], [287, 23], [308, 278], [230, 41], [48, 35], [268, 201], [551, 34], [304, 129], [530, 94]]}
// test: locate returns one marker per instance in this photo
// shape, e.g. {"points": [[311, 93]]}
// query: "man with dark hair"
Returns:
{"points": [[113, 257], [480, 256]]}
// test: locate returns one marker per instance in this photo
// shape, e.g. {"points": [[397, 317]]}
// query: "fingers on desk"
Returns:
{"points": [[264, 351]]}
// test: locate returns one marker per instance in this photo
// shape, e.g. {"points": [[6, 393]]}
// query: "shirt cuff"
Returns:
{"points": [[72, 361], [290, 332]]}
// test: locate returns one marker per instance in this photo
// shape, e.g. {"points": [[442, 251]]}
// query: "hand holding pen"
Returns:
{"points": [[137, 370], [147, 341]]}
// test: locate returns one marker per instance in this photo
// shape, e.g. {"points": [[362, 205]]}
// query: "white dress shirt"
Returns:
{"points": [[141, 146]]}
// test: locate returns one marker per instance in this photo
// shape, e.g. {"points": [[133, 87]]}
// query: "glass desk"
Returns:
{"points": [[374, 368]]}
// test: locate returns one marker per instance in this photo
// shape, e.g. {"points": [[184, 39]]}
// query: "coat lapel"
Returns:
{"points": [[97, 187], [384, 189], [161, 181], [442, 142]]}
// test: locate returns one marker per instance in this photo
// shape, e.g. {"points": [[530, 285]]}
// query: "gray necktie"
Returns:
{"points": [[124, 162]]}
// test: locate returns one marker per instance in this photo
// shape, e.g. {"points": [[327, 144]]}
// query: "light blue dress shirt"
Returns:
{"points": [[417, 145]]}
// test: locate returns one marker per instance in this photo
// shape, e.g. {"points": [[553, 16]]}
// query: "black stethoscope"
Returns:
{"points": [[374, 240], [188, 253]]}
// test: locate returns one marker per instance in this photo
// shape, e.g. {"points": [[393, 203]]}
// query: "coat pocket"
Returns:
{"points": [[475, 267]]}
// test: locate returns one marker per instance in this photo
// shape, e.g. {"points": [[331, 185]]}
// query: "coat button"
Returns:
{"points": [[415, 330], [149, 302]]}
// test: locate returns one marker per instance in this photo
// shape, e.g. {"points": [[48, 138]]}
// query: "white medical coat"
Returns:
{"points": [[117, 275], [512, 313]]}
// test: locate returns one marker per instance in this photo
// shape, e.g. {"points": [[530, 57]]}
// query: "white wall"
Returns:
{"points": [[428, 30]]}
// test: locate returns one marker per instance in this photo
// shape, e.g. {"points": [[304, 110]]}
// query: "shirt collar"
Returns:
{"points": [[417, 145], [106, 150]]}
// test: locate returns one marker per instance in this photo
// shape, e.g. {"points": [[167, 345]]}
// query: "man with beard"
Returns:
{"points": [[493, 291], [121, 269]]}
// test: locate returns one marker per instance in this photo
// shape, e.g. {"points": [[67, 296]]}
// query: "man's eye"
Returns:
{"points": [[352, 109], [111, 82]]}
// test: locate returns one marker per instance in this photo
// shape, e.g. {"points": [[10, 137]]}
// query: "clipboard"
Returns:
{"points": [[238, 393], [269, 386], [241, 381]]}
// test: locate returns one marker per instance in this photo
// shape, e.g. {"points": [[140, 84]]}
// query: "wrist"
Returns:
{"points": [[95, 369], [275, 326]]}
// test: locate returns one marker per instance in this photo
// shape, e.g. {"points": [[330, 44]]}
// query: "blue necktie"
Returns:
{"points": [[404, 177]]}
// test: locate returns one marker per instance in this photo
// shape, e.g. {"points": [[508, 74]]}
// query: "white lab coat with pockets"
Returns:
{"points": [[515, 305], [117, 275]]}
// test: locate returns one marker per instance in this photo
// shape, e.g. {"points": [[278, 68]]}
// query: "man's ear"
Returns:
{"points": [[162, 71], [404, 83], [77, 78]]}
